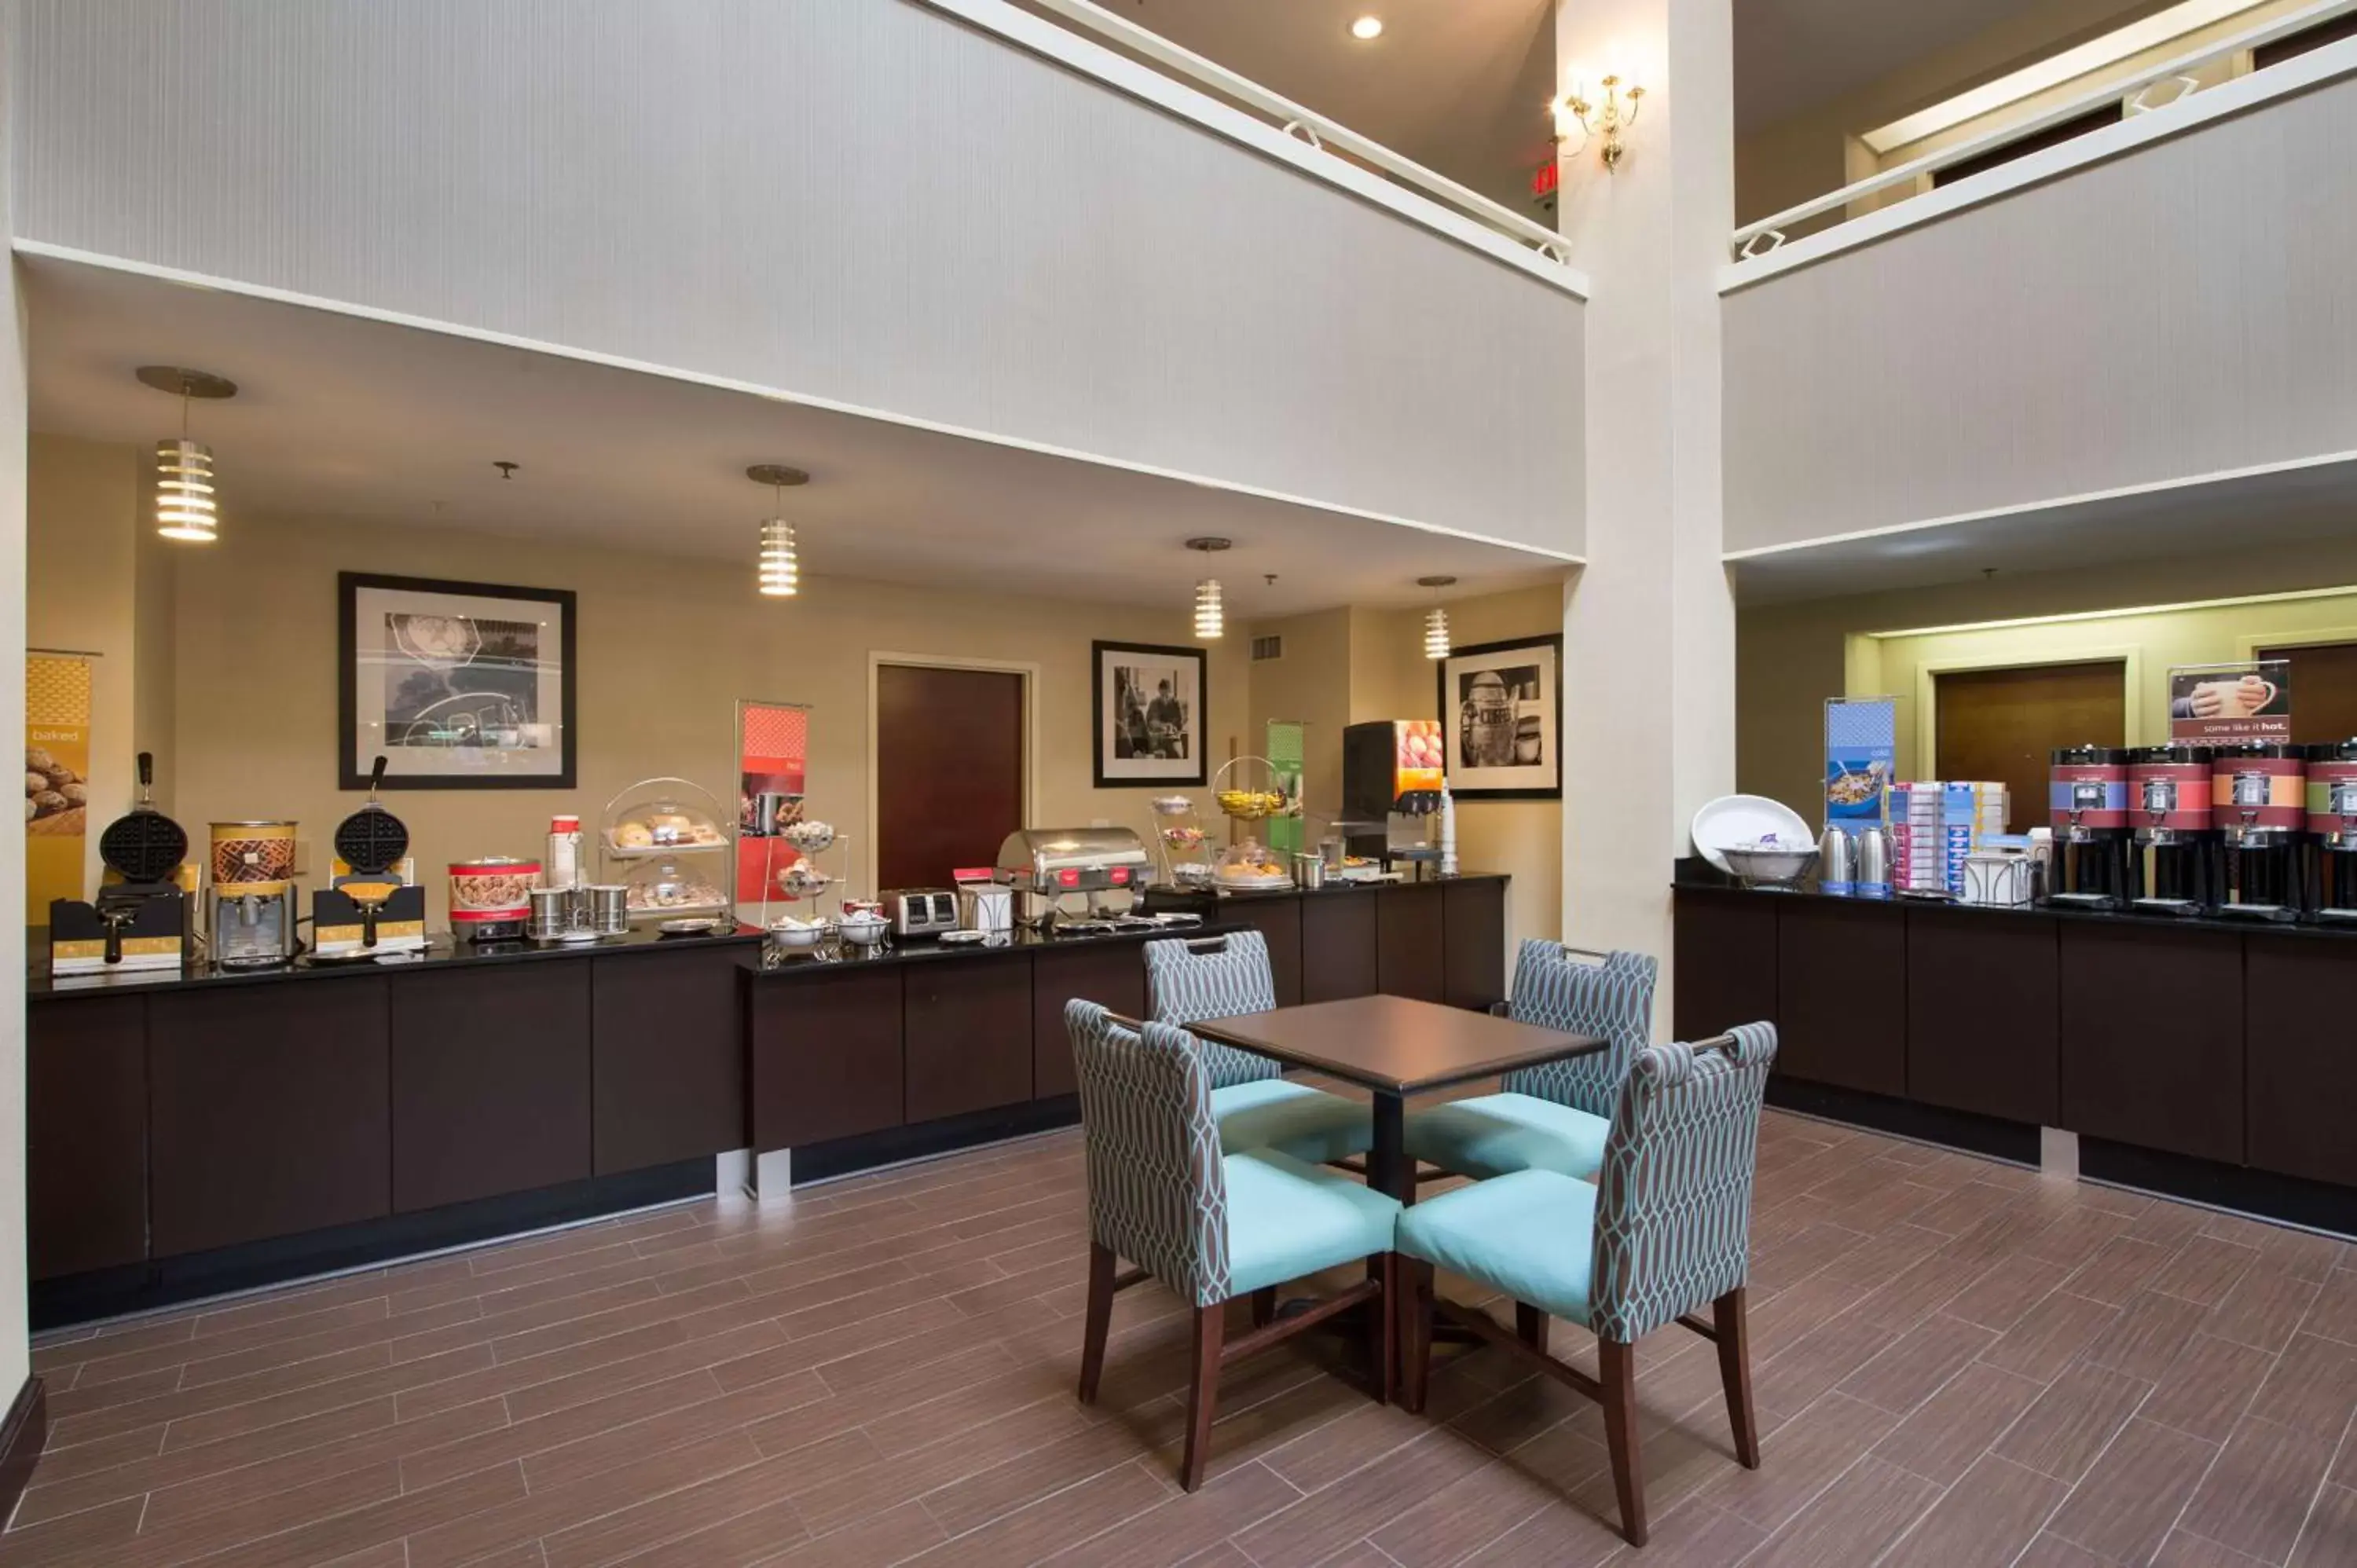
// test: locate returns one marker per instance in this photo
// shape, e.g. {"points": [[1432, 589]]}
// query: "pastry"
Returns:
{"points": [[35, 782], [37, 760], [634, 835]]}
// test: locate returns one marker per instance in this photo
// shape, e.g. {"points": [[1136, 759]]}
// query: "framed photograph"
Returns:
{"points": [[1501, 719], [1150, 723], [458, 685]]}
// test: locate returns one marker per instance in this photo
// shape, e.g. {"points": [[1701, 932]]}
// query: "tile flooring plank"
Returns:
{"points": [[2329, 1534], [1953, 1428], [2135, 1492], [1986, 1519], [1854, 1521], [2072, 1423], [2208, 1387], [2256, 1497]]}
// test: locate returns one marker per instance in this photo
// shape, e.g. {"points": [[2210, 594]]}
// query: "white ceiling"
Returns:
{"points": [[2251, 514], [1459, 86], [350, 421]]}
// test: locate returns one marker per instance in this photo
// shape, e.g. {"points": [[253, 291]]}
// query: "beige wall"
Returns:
{"points": [[82, 594], [15, 1347], [1792, 657], [1310, 683], [666, 648]]}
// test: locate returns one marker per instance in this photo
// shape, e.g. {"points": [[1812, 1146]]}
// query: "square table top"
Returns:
{"points": [[1394, 1045]]}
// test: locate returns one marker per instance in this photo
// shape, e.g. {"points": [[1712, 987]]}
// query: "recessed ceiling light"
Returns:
{"points": [[1367, 27]]}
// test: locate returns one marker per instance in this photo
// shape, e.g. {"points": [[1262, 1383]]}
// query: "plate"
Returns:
{"points": [[1736, 821], [578, 935], [688, 928], [962, 938]]}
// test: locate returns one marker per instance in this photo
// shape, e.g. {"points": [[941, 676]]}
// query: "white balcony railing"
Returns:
{"points": [[1348, 155], [2159, 99]]}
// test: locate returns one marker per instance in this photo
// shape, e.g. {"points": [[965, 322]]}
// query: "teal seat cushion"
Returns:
{"points": [[1498, 1134], [1531, 1235], [1287, 1217], [1292, 1118]]}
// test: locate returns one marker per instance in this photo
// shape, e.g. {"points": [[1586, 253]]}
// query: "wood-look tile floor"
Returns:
{"points": [[1956, 1363]]}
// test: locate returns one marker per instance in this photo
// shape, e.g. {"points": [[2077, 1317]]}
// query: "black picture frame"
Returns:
{"points": [[350, 771], [1465, 787], [1133, 773]]}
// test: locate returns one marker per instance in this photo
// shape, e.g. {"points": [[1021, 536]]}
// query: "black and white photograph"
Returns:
{"points": [[459, 685], [1149, 714], [1502, 716]]}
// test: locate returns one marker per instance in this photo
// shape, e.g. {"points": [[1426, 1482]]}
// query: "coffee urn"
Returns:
{"points": [[2333, 830], [2259, 801], [2174, 867], [2087, 805]]}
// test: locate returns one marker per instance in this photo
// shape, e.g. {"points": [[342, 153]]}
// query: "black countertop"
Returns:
{"points": [[1698, 876], [443, 954], [1197, 897]]}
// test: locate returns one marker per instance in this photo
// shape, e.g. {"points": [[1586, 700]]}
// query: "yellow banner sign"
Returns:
{"points": [[57, 778]]}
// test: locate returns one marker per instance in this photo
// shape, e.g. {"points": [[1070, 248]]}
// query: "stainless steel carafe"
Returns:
{"points": [[1834, 872], [1870, 865]]}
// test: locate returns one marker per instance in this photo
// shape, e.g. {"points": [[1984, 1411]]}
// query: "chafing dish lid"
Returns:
{"points": [[1032, 851]]}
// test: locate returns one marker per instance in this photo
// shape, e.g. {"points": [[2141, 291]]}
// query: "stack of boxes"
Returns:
{"points": [[1934, 825]]}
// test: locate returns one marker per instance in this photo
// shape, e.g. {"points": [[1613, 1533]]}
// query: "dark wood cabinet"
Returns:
{"points": [[1338, 946], [1111, 977], [1724, 948], [968, 1037], [667, 1042], [1983, 1014], [826, 1060], [86, 1137], [1410, 960], [269, 1110], [2298, 994], [1841, 994], [490, 1082], [1278, 920], [1473, 943], [2152, 1037]]}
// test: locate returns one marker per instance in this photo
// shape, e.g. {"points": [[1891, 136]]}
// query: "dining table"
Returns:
{"points": [[1395, 1047]]}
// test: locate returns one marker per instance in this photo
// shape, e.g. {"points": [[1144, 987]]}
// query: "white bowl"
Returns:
{"points": [[810, 837], [797, 935], [863, 932], [1734, 821], [1771, 865]]}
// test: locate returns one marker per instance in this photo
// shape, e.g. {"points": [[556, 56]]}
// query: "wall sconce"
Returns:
{"points": [[1607, 120]]}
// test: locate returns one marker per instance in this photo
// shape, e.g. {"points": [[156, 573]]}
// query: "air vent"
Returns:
{"points": [[1267, 648]]}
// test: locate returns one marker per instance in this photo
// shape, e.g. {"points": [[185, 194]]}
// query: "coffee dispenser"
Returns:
{"points": [[2333, 830], [251, 906], [2087, 804], [2174, 866], [2259, 801]]}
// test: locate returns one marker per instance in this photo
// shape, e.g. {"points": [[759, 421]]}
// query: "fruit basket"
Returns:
{"points": [[1249, 790]]}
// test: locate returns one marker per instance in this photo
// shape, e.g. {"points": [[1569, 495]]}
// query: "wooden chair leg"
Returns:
{"points": [[1618, 1362], [1203, 1396], [1099, 1318], [1382, 1330], [1530, 1326], [1415, 1278], [1263, 1307], [1729, 1317]]}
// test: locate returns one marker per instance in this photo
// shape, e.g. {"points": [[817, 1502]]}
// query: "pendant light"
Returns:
{"points": [[1435, 619], [1211, 611], [781, 572], [185, 507]]}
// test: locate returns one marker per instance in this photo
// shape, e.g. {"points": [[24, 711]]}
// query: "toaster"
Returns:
{"points": [[922, 911]]}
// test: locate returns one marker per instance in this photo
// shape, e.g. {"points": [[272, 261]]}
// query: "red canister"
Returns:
{"points": [[2258, 787], [492, 891], [2170, 787], [2087, 788]]}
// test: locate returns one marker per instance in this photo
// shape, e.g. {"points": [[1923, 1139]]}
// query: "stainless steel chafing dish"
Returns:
{"points": [[1052, 860]]}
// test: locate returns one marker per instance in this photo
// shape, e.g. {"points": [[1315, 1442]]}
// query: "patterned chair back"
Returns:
{"points": [[1674, 1199], [1188, 981], [1613, 1000], [1158, 1193]]}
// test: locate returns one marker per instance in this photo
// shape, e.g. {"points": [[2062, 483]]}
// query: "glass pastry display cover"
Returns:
{"points": [[662, 824], [669, 885]]}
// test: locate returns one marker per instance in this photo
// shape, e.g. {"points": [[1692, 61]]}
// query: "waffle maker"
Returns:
{"points": [[368, 909], [142, 922]]}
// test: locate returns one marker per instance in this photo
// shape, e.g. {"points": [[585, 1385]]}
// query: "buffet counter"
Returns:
{"points": [[925, 1048], [2205, 1058]]}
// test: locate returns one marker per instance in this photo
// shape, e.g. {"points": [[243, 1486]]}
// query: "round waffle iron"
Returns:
{"points": [[369, 842], [144, 849]]}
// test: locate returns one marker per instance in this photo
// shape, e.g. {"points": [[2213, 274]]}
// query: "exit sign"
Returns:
{"points": [[1545, 177]]}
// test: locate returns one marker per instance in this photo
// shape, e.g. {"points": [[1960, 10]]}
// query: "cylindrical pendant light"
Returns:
{"points": [[1435, 619], [780, 567], [186, 508], [1211, 610]]}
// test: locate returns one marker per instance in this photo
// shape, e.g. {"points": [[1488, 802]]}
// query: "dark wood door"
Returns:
{"points": [[1473, 927], [2002, 723], [1983, 1014], [1338, 946], [969, 1037], [2323, 690], [826, 1058], [1724, 970], [2300, 1075], [1410, 951], [948, 771], [1841, 994], [667, 1039], [1111, 976], [2159, 1066]]}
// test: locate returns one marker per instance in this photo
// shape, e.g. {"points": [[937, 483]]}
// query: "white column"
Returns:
{"points": [[14, 1350], [1649, 627]]}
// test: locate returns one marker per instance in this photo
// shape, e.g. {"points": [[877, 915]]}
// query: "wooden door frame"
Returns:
{"points": [[2249, 644], [1029, 672], [1927, 690]]}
